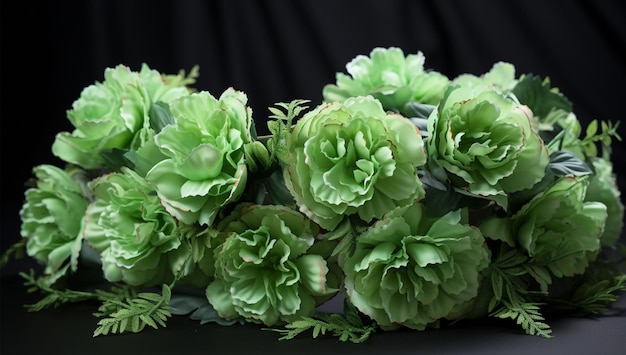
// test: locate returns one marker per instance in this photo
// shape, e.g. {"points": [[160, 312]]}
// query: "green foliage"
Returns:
{"points": [[160, 116], [588, 144], [604, 138], [564, 163], [542, 99], [513, 276], [284, 116], [526, 314], [597, 297], [198, 308], [181, 79], [15, 251], [511, 296], [54, 297], [148, 308], [347, 326], [599, 287]]}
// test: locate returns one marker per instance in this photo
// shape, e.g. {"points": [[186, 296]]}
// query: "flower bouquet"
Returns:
{"points": [[417, 199]]}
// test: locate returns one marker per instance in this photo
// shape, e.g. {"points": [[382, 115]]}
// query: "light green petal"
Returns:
{"points": [[313, 272]]}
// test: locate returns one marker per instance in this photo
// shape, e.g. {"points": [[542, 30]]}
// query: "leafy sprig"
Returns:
{"points": [[148, 308], [348, 326], [511, 295], [284, 115], [54, 297], [183, 79], [597, 297], [134, 313], [15, 251], [599, 287]]}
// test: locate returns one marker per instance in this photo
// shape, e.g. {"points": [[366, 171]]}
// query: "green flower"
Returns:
{"points": [[265, 271], [556, 228], [109, 114], [603, 188], [205, 168], [353, 159], [52, 216], [135, 236], [501, 78], [391, 77], [410, 270], [484, 145]]}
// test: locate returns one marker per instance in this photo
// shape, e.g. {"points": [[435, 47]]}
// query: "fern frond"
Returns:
{"points": [[111, 299], [148, 308], [322, 323], [526, 314], [54, 297], [593, 296], [16, 250], [512, 298], [284, 115], [348, 326]]}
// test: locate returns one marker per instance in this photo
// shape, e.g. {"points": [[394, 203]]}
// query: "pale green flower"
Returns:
{"points": [[353, 159], [134, 234], [501, 78], [205, 166], [265, 271], [556, 228], [52, 216], [108, 114], [484, 145], [391, 77], [603, 188], [410, 270]]}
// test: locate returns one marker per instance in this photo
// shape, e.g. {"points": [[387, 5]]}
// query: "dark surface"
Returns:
{"points": [[279, 50], [69, 329], [276, 51]]}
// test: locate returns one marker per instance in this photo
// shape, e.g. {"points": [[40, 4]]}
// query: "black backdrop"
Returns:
{"points": [[281, 50]]}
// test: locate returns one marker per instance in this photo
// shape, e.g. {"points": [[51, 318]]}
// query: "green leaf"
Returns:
{"points": [[565, 163], [596, 297], [527, 315], [133, 314], [333, 323], [54, 297], [17, 250], [276, 188], [198, 308], [537, 94], [281, 128], [160, 116], [592, 128], [419, 110], [115, 158]]}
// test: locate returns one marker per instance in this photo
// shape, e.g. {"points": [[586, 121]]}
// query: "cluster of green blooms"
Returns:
{"points": [[399, 191]]}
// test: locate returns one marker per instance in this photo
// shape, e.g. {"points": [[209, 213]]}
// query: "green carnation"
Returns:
{"points": [[205, 167], [52, 217], [135, 236], [265, 271], [603, 188], [501, 78], [556, 228], [353, 159], [108, 114], [410, 270], [391, 77], [483, 144]]}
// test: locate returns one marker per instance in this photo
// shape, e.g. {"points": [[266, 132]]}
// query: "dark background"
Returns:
{"points": [[277, 51], [281, 50]]}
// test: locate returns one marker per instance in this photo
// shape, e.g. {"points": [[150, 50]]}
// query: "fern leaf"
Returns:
{"points": [[134, 314], [527, 315], [321, 323]]}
